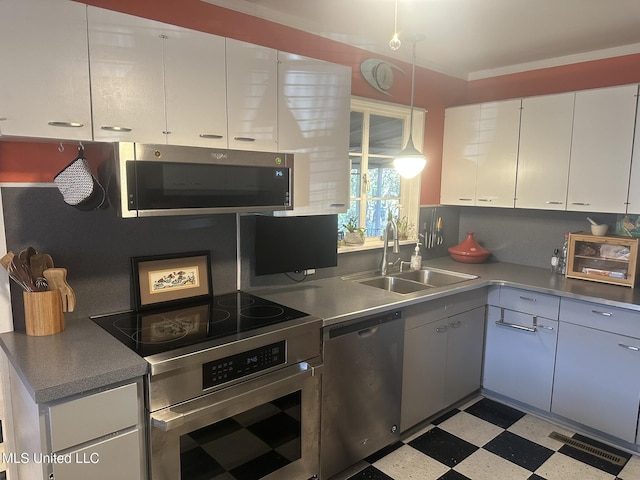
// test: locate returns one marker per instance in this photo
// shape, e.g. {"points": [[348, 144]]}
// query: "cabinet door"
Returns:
{"points": [[519, 363], [465, 344], [498, 153], [603, 128], [596, 380], [424, 370], [127, 89], [252, 96], [460, 155], [44, 79], [313, 122], [633, 201], [544, 152], [195, 88]]}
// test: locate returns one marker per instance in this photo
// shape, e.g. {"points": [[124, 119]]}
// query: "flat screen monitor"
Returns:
{"points": [[294, 244]]}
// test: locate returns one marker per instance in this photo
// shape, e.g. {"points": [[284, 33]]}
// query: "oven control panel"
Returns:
{"points": [[242, 364]]}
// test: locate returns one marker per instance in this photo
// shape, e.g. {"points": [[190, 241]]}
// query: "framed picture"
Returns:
{"points": [[161, 280]]}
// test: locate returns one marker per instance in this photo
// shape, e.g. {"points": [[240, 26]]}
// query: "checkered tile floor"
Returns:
{"points": [[486, 440]]}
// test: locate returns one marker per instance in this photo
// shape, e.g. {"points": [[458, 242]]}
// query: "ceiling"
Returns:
{"points": [[467, 38]]}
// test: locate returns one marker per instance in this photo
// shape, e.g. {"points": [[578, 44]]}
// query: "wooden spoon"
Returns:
{"points": [[57, 279]]}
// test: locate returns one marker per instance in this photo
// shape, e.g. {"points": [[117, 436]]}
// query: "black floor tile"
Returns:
{"points": [[494, 412], [370, 473], [259, 467], [453, 475], [276, 430], [592, 460], [383, 452], [518, 450], [196, 464], [445, 416], [443, 446], [536, 477]]}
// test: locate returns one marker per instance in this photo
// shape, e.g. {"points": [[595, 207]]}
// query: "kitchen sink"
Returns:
{"points": [[411, 281], [434, 277], [395, 284]]}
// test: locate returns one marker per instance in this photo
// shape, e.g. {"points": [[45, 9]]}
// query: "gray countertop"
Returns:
{"points": [[85, 357], [81, 358]]}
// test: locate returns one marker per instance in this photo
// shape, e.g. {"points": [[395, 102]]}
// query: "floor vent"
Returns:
{"points": [[585, 447]]}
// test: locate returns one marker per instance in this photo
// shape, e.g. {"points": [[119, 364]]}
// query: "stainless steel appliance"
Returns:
{"points": [[361, 390], [157, 180], [233, 390]]}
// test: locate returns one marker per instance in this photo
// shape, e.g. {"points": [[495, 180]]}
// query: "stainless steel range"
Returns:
{"points": [[233, 390]]}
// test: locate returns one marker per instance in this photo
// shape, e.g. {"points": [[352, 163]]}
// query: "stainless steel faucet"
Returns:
{"points": [[391, 225]]}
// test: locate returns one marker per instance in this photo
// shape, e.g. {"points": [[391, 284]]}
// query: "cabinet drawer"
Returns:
{"points": [[603, 317], [86, 418], [527, 301], [434, 310]]}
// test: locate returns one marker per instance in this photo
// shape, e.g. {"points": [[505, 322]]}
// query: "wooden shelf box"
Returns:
{"points": [[603, 258]]}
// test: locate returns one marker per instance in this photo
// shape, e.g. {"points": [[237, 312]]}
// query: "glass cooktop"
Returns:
{"points": [[158, 331]]}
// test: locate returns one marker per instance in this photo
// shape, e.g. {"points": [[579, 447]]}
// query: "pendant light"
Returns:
{"points": [[410, 162], [394, 43]]}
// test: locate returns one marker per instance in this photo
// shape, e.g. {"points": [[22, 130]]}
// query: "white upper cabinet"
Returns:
{"points": [[195, 88], [603, 129], [127, 88], [480, 154], [44, 78], [313, 123], [252, 96], [460, 155], [498, 153], [633, 205], [545, 150]]}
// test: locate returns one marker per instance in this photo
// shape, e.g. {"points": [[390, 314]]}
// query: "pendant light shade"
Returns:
{"points": [[410, 162]]}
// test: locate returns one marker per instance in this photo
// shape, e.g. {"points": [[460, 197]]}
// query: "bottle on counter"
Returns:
{"points": [[555, 260], [416, 258], [563, 258]]}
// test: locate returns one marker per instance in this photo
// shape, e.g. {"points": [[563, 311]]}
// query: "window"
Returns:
{"points": [[378, 132]]}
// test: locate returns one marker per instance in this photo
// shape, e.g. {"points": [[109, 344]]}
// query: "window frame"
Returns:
{"points": [[409, 188]]}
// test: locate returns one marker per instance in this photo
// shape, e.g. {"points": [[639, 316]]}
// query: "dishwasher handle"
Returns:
{"points": [[365, 327]]}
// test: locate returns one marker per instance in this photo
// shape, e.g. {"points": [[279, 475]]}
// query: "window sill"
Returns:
{"points": [[369, 244]]}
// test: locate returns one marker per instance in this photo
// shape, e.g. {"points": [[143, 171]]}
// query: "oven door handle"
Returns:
{"points": [[173, 417]]}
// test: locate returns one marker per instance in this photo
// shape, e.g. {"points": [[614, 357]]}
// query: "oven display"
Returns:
{"points": [[243, 364]]}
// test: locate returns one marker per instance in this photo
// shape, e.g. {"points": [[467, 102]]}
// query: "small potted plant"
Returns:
{"points": [[405, 228], [354, 234]]}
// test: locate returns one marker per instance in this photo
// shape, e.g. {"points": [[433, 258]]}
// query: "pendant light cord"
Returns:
{"points": [[413, 78]]}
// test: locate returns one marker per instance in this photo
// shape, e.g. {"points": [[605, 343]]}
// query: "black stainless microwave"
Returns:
{"points": [[160, 180]]}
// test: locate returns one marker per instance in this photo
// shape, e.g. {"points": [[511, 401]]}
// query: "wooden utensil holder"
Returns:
{"points": [[43, 312]]}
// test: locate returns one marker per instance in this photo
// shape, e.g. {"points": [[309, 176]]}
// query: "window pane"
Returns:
{"points": [[356, 175], [353, 212], [377, 215], [384, 180], [355, 139], [385, 135]]}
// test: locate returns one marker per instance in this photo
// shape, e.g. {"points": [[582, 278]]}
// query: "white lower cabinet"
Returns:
{"points": [[442, 354], [597, 364], [520, 356]]}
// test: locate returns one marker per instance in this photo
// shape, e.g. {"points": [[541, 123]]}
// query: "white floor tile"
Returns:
{"points": [[407, 463], [538, 430], [484, 465], [561, 467], [631, 470], [471, 428]]}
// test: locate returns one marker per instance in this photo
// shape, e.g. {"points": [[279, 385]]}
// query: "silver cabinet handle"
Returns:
{"points": [[166, 132], [485, 200], [115, 128], [502, 323], [466, 199], [550, 202], [244, 139], [528, 299], [629, 347], [336, 204], [605, 314], [212, 136], [545, 327], [455, 324], [66, 124], [441, 329], [580, 203]]}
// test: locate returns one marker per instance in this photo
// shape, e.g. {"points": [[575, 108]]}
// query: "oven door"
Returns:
{"points": [[267, 427]]}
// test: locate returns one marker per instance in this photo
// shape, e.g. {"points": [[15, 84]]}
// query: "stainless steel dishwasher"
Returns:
{"points": [[361, 389]]}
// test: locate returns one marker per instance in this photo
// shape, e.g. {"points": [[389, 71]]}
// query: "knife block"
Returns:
{"points": [[43, 312]]}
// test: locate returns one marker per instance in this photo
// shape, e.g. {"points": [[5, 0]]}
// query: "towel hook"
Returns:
{"points": [[61, 147]]}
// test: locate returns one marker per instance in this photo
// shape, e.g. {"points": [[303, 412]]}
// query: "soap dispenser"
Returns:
{"points": [[416, 258]]}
